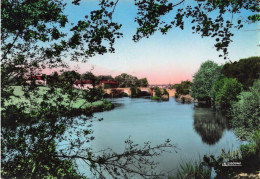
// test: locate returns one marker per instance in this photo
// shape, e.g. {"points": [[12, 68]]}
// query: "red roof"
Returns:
{"points": [[110, 82], [36, 77], [83, 82]]}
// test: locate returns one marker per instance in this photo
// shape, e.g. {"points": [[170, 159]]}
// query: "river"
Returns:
{"points": [[196, 131]]}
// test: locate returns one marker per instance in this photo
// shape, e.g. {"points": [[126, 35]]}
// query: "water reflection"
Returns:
{"points": [[209, 124]]}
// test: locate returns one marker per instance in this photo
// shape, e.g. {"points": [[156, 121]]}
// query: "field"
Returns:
{"points": [[36, 98]]}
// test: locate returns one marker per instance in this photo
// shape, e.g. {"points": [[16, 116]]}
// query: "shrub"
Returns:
{"points": [[157, 91], [135, 92], [192, 170], [227, 91], [246, 112]]}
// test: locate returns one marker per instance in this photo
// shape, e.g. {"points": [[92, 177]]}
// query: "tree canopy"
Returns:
{"points": [[204, 81], [246, 71], [227, 90], [184, 87], [246, 112]]}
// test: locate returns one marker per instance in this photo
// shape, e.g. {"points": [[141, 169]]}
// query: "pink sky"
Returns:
{"points": [[162, 59]]}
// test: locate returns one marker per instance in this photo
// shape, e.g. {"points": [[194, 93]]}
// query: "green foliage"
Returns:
{"points": [[107, 105], [69, 76], [227, 91], [135, 92], [183, 88], [157, 91], [143, 82], [204, 22], [101, 78], [174, 86], [37, 165], [126, 81], [247, 150], [165, 92], [107, 86], [246, 112], [125, 95], [246, 71], [256, 139], [204, 81], [53, 80], [248, 156], [155, 98], [89, 76], [192, 170]]}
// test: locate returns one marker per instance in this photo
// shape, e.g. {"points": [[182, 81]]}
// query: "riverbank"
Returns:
{"points": [[185, 98], [78, 106]]}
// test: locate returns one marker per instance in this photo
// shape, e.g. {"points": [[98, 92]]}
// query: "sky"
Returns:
{"points": [[162, 59]]}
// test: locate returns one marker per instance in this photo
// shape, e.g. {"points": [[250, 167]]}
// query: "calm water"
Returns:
{"points": [[196, 131]]}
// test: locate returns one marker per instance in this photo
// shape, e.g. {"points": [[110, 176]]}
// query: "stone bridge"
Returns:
{"points": [[148, 90]]}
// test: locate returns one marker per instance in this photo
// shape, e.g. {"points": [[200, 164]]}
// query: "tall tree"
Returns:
{"points": [[246, 71], [126, 80], [204, 81]]}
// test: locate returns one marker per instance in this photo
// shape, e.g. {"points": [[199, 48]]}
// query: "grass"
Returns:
{"points": [[35, 99], [192, 170], [155, 98]]}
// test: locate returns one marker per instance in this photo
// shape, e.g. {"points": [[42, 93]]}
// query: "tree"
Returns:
{"points": [[101, 78], [135, 92], [184, 87], [143, 82], [126, 81], [70, 76], [53, 79], [227, 90], [204, 81], [205, 23], [246, 71], [157, 91], [90, 76], [246, 112]]}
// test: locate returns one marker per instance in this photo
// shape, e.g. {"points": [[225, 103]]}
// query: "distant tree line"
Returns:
{"points": [[124, 80]]}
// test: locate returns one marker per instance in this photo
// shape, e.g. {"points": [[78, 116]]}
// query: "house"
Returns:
{"points": [[83, 84], [109, 84], [38, 79]]}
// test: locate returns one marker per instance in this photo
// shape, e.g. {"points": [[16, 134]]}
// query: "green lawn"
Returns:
{"points": [[35, 99]]}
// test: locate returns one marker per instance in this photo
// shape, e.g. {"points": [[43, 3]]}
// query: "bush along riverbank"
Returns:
{"points": [[101, 106], [241, 163], [231, 89], [82, 105], [160, 94]]}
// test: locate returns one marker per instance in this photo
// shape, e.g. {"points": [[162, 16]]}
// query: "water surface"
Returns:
{"points": [[196, 131]]}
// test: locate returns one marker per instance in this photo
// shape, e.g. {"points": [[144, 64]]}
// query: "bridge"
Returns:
{"points": [[149, 91], [161, 85]]}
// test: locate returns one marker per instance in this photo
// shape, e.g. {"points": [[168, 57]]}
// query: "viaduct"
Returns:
{"points": [[148, 90]]}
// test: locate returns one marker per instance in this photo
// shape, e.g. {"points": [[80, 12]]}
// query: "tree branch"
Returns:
{"points": [[8, 50]]}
